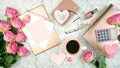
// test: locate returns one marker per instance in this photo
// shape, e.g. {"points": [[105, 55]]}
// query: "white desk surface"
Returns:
{"points": [[43, 60]]}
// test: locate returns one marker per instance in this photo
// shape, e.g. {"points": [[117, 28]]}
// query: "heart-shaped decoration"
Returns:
{"points": [[26, 19], [58, 58], [111, 50], [61, 16]]}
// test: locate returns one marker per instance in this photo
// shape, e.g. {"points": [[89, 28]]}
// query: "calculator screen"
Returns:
{"points": [[106, 34]]}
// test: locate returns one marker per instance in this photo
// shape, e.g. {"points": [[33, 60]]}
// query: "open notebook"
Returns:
{"points": [[40, 32], [101, 33]]}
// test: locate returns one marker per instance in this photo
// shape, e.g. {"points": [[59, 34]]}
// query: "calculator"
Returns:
{"points": [[106, 34]]}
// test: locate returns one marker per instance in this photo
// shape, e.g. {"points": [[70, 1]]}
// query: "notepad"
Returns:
{"points": [[40, 32]]}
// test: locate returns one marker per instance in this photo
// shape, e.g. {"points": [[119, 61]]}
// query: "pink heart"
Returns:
{"points": [[61, 16], [111, 50], [58, 58], [26, 19]]}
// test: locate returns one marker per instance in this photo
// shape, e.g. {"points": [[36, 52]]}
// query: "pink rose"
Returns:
{"points": [[26, 19], [17, 23], [20, 37], [12, 48], [23, 51], [9, 36], [11, 12], [5, 26], [88, 56], [114, 19]]}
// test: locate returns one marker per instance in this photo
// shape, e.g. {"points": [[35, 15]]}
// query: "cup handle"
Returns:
{"points": [[84, 48]]}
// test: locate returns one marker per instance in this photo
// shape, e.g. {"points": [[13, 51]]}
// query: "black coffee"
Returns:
{"points": [[72, 46]]}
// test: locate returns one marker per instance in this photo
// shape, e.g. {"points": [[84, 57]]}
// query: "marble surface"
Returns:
{"points": [[43, 60]]}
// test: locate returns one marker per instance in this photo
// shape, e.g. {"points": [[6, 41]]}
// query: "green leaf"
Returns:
{"points": [[118, 37], [97, 63], [1, 34], [20, 44], [3, 56], [8, 19], [14, 61], [104, 59], [14, 30], [9, 59], [103, 64], [93, 62], [7, 65], [118, 25], [1, 39], [2, 65], [5, 15]]}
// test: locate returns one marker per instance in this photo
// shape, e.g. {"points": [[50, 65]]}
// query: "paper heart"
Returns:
{"points": [[61, 16], [58, 58], [111, 50], [26, 19]]}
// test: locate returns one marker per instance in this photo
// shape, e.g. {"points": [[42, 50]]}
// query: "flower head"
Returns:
{"points": [[20, 37], [12, 48], [23, 51], [88, 56], [26, 19], [9, 36], [114, 19], [10, 12], [5, 26], [17, 23]]}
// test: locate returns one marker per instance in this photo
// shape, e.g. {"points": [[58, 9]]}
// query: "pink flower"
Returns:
{"points": [[11, 12], [12, 48], [17, 23], [88, 56], [5, 26], [23, 51], [26, 19], [114, 19], [9, 36], [20, 37]]}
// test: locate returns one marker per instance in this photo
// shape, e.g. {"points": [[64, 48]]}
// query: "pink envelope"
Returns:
{"points": [[41, 34]]}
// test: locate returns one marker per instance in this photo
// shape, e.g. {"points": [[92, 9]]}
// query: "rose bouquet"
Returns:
{"points": [[11, 38]]}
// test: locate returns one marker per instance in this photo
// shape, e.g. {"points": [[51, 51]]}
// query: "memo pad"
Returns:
{"points": [[35, 31], [62, 14], [40, 32], [101, 24]]}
